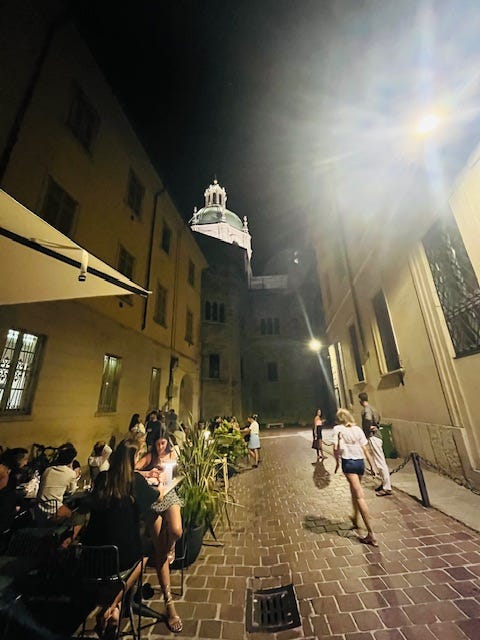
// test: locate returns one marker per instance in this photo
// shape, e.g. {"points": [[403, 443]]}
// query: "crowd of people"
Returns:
{"points": [[127, 502]]}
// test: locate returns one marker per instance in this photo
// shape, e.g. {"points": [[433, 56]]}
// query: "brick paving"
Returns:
{"points": [[422, 583]]}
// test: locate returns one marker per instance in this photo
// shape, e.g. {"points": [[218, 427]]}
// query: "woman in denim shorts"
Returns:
{"points": [[351, 448]]}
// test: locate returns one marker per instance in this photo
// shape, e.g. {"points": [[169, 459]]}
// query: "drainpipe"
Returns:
{"points": [[26, 100], [150, 255]]}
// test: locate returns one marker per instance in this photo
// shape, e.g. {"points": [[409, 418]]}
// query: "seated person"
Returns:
{"points": [[7, 499], [120, 498], [98, 460], [16, 460], [55, 482]]}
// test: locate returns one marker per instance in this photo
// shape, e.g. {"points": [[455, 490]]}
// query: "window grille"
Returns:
{"points": [[189, 327], [19, 371], [385, 330], [456, 284], [135, 193], [160, 316], [214, 365], [83, 120], [110, 382], [126, 262], [58, 208], [356, 353]]}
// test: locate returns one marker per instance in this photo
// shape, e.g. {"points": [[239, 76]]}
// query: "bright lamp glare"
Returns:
{"points": [[314, 344], [428, 123]]}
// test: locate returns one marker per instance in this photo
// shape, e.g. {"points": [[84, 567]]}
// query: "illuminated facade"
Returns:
{"points": [[77, 370], [402, 304]]}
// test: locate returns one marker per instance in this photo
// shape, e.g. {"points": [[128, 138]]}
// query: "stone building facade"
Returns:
{"points": [[78, 369]]}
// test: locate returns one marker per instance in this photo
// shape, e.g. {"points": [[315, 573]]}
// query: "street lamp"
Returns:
{"points": [[315, 345]]}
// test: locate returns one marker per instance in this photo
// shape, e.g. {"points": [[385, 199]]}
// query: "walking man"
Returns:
{"points": [[370, 426]]}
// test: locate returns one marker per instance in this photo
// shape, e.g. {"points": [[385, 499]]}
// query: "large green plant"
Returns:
{"points": [[230, 442], [199, 463]]}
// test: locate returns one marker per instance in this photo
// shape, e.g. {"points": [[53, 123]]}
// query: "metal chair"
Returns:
{"points": [[97, 571]]}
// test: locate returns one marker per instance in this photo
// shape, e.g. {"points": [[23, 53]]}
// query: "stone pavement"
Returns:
{"points": [[423, 582]]}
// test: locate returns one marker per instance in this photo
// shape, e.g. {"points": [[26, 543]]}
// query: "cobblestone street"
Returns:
{"points": [[423, 582]]}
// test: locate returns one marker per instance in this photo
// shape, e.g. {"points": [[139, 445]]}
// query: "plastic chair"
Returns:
{"points": [[97, 570]]}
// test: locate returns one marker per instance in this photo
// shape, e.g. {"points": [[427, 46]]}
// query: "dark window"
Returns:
{"points": [[356, 353], [456, 284], [19, 368], [272, 372], [83, 120], [135, 193], [215, 312], [160, 316], [110, 382], [221, 312], [214, 365], [269, 326], [189, 327], [191, 273], [208, 310], [263, 327], [166, 238], [58, 208], [276, 326], [386, 332], [126, 262]]}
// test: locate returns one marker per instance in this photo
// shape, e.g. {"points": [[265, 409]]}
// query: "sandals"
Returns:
{"points": [[369, 540], [173, 622], [383, 492], [171, 555]]}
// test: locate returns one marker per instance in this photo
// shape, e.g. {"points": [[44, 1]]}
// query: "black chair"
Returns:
{"points": [[97, 572]]}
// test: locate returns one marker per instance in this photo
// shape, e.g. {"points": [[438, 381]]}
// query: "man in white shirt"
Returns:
{"points": [[56, 481]]}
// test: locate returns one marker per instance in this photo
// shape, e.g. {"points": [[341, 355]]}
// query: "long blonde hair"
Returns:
{"points": [[345, 417]]}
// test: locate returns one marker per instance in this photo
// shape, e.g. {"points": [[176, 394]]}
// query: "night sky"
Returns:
{"points": [[263, 94]]}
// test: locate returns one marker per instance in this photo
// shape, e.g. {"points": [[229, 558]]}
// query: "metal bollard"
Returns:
{"points": [[420, 479]]}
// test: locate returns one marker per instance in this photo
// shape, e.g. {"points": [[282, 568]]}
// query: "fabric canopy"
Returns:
{"points": [[39, 263]]}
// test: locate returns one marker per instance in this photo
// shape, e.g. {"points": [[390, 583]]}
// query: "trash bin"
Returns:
{"points": [[388, 444]]}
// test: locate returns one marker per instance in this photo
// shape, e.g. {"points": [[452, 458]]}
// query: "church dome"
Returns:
{"points": [[216, 213], [215, 210]]}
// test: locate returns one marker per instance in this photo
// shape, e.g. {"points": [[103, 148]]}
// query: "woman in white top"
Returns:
{"points": [[350, 445], [254, 441]]}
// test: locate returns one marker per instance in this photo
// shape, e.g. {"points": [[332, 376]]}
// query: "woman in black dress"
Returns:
{"points": [[317, 443], [120, 498]]}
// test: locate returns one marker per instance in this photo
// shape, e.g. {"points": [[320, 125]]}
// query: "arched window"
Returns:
{"points": [[207, 310], [215, 312]]}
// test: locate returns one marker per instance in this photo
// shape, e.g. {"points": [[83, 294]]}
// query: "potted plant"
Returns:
{"points": [[202, 495], [230, 444]]}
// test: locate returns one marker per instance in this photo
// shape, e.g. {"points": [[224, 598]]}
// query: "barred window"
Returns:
{"points": [[107, 402], [385, 329], [58, 208], [456, 284], [19, 368]]}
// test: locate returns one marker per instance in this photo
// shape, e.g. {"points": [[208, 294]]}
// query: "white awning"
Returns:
{"points": [[39, 263]]}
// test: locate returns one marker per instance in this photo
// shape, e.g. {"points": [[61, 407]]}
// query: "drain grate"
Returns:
{"points": [[272, 609]]}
